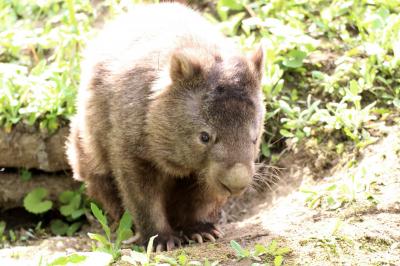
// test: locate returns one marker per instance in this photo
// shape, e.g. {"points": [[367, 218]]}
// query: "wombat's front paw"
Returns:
{"points": [[202, 232], [165, 242]]}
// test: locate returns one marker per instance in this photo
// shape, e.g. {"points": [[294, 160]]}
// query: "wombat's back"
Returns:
{"points": [[148, 34]]}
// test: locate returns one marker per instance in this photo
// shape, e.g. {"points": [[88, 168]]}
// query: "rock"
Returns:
{"points": [[13, 189], [26, 147]]}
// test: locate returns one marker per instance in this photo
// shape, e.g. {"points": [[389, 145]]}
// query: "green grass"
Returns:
{"points": [[40, 57]]}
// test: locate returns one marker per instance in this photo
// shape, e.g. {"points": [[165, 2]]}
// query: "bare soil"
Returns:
{"points": [[363, 231]]}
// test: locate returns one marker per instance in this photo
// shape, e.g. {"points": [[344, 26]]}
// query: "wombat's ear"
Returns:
{"points": [[183, 66], [257, 57]]}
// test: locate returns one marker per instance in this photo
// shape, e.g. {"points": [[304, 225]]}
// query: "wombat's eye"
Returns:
{"points": [[204, 137]]}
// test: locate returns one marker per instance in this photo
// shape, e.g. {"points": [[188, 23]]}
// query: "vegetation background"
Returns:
{"points": [[332, 73]]}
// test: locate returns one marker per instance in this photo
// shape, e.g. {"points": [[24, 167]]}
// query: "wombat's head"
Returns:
{"points": [[206, 118]]}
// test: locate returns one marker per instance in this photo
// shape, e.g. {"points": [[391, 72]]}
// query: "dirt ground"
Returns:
{"points": [[362, 231]]}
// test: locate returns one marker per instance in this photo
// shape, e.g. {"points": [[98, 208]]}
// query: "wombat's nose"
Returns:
{"points": [[237, 178]]}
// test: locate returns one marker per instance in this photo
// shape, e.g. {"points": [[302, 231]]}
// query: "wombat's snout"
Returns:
{"points": [[237, 178]]}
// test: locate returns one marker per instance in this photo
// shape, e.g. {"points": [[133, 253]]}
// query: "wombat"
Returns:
{"points": [[168, 124]]}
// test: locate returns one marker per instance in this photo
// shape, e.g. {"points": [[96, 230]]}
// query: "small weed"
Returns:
{"points": [[3, 237], [25, 174], [342, 192], [12, 235], [105, 243], [261, 253], [375, 243], [35, 201], [334, 244], [80, 258], [67, 260], [73, 207]]}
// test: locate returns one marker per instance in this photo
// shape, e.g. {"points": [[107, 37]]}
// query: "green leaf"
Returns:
{"points": [[285, 107], [354, 88], [337, 226], [182, 259], [12, 235], [124, 227], [73, 228], [330, 201], [231, 4], [77, 213], [73, 205], [318, 75], [39, 68], [259, 250], [34, 202], [294, 59], [396, 103], [58, 227], [101, 218], [124, 234], [265, 150], [286, 133], [272, 247], [278, 261], [331, 187], [283, 251], [2, 228], [350, 134], [66, 210], [99, 238], [240, 252], [66, 196], [25, 175], [169, 260], [64, 260]]}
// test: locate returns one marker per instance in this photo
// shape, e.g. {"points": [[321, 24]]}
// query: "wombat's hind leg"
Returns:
{"points": [[104, 190]]}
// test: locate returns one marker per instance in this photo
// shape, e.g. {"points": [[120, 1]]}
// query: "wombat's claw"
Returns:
{"points": [[132, 239], [167, 243], [199, 237], [218, 232], [204, 232]]}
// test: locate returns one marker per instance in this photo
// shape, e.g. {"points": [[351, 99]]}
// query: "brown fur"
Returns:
{"points": [[152, 82]]}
